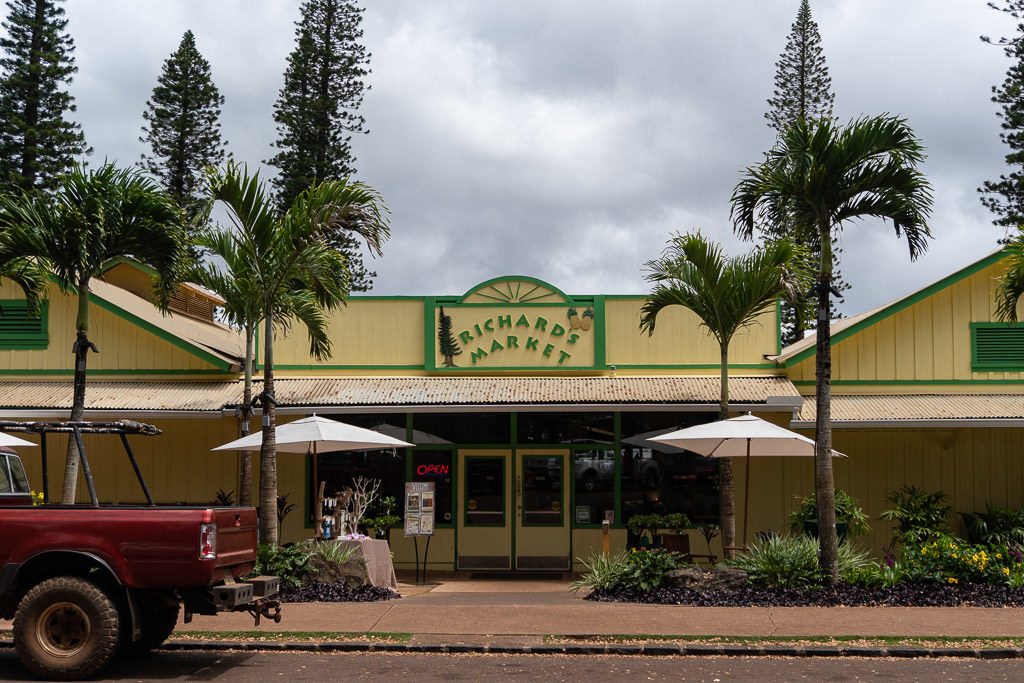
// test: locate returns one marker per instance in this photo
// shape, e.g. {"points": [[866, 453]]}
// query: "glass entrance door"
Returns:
{"points": [[484, 520], [542, 535]]}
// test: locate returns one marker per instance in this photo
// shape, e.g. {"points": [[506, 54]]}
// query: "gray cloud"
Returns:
{"points": [[567, 140]]}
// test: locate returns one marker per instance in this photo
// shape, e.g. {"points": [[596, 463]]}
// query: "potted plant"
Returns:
{"points": [[383, 523], [851, 520], [675, 540]]}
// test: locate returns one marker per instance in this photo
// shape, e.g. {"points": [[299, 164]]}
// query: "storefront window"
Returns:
{"points": [[485, 491], [462, 428], [657, 478], [339, 469], [594, 484], [436, 467], [552, 428]]}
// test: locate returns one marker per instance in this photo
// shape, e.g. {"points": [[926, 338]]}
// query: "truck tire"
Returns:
{"points": [[158, 615], [66, 628]]}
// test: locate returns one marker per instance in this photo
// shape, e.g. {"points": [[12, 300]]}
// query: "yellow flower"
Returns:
{"points": [[952, 580], [999, 556], [1006, 570], [924, 551]]}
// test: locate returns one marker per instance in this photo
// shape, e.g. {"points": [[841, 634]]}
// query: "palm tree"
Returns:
{"points": [[1011, 284], [231, 278], [92, 218], [819, 176], [727, 295], [27, 274], [295, 275]]}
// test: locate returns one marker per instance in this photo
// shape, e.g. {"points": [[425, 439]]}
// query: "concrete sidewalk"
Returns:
{"points": [[459, 611]]}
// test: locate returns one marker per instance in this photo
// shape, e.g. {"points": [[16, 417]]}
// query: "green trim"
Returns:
{"points": [[778, 326], [696, 366], [287, 366], [18, 312], [909, 382], [623, 297], [131, 373], [518, 278], [383, 297], [429, 334], [521, 468], [161, 333], [901, 304], [504, 493], [1011, 345], [618, 470], [600, 333], [148, 270]]}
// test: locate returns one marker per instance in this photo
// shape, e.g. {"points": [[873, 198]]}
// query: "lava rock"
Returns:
{"points": [[335, 592], [703, 580], [902, 595]]}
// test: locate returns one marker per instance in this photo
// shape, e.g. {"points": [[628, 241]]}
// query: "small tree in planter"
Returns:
{"points": [[851, 520], [364, 492], [387, 520]]}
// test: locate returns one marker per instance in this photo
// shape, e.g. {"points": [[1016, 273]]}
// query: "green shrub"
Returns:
{"points": [[919, 515], [995, 526], [644, 570], [335, 552], [288, 563], [602, 573], [853, 562], [848, 512], [948, 559], [782, 561]]}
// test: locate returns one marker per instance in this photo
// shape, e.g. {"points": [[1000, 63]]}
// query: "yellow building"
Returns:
{"points": [[531, 408]]}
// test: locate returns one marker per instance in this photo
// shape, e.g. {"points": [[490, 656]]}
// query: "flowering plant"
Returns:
{"points": [[948, 559]]}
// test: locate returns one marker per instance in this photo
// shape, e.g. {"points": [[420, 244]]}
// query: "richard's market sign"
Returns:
{"points": [[514, 335]]}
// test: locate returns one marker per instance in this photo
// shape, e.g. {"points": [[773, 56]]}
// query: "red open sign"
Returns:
{"points": [[433, 470]]}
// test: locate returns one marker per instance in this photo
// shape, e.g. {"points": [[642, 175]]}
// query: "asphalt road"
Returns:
{"points": [[243, 666]]}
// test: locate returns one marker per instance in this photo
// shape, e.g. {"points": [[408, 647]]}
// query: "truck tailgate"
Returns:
{"points": [[237, 532]]}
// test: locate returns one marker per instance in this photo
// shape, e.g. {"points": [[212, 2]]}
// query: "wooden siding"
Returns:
{"points": [[123, 345], [928, 341], [679, 339], [366, 332], [971, 465]]}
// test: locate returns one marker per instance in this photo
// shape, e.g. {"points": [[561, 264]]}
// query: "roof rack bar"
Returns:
{"points": [[67, 427], [135, 466], [85, 468]]}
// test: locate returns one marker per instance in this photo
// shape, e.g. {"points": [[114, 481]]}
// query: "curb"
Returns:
{"points": [[649, 650]]}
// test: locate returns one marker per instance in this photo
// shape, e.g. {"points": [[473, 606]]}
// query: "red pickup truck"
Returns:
{"points": [[84, 582]]}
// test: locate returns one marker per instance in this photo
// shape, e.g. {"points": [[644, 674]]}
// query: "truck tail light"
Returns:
{"points": [[207, 541]]}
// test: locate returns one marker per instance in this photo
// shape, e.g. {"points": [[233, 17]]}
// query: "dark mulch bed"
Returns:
{"points": [[335, 592], [904, 595]]}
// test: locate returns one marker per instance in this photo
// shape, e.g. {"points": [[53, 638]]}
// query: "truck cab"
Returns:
{"points": [[14, 487]]}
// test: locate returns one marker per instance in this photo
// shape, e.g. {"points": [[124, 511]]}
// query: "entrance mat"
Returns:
{"points": [[516, 576]]}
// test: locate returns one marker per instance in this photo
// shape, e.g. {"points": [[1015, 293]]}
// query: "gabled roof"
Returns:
{"points": [[217, 344], [846, 327]]}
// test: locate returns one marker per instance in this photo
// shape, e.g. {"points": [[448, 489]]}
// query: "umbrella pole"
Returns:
{"points": [[746, 497]]}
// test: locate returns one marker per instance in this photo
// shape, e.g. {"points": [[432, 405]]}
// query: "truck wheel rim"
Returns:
{"points": [[63, 629]]}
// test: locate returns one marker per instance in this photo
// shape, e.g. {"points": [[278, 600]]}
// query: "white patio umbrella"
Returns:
{"points": [[8, 440], [312, 433], [746, 435]]}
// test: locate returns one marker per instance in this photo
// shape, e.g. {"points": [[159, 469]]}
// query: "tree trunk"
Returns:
{"points": [[726, 490], [824, 483], [268, 451], [81, 351], [245, 481]]}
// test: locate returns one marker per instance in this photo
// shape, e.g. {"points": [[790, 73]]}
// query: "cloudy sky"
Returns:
{"points": [[567, 140]]}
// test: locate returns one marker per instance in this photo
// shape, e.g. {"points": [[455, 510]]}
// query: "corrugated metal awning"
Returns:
{"points": [[776, 393], [433, 391], [126, 396], [917, 410]]}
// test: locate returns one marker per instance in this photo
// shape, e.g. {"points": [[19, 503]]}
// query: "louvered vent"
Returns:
{"points": [[20, 331], [998, 347]]}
